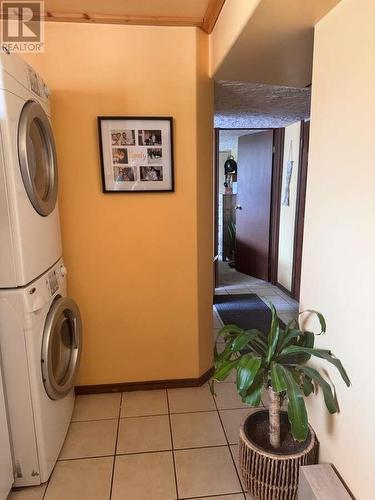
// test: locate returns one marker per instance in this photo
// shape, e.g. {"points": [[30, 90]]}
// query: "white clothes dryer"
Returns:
{"points": [[30, 239], [40, 344]]}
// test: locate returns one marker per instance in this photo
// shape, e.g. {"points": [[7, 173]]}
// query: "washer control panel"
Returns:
{"points": [[53, 282], [42, 291], [36, 84]]}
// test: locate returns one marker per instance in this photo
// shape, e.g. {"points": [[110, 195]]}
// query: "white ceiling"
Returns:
{"points": [[255, 105], [228, 139]]}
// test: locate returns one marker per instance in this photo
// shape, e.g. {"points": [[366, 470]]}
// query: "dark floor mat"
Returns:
{"points": [[244, 310]]}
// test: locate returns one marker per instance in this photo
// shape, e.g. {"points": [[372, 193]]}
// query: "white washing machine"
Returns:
{"points": [[40, 344], [30, 239]]}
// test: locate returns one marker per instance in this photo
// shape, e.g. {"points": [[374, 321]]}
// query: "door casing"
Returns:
{"points": [[276, 185]]}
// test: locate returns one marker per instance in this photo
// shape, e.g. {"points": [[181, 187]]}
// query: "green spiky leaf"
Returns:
{"points": [[224, 368], [322, 321], [319, 353], [326, 388], [246, 371], [253, 395], [297, 414], [273, 336]]}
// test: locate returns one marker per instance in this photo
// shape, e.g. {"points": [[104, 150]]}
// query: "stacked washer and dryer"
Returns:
{"points": [[40, 327]]}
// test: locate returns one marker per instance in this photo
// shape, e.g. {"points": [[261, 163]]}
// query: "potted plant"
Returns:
{"points": [[274, 443]]}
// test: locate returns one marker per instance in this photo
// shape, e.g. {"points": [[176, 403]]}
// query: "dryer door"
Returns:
{"points": [[61, 348], [37, 156]]}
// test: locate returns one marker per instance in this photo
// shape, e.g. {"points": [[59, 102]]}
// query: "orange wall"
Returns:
{"points": [[204, 150], [133, 259]]}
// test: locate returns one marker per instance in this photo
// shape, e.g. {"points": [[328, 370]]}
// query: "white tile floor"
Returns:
{"points": [[157, 445], [160, 445], [232, 282]]}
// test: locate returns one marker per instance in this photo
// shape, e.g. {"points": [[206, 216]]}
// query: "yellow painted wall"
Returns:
{"points": [[204, 150], [338, 265], [135, 268]]}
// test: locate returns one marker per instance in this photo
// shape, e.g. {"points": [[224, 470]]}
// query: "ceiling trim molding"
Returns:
{"points": [[207, 24], [86, 17], [212, 13]]}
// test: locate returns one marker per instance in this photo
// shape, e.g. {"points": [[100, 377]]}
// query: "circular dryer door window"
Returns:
{"points": [[37, 156], [61, 348]]}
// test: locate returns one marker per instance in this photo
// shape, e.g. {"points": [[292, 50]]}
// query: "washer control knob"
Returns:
{"points": [[63, 271]]}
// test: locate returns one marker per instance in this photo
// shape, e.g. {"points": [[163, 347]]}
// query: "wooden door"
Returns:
{"points": [[254, 183]]}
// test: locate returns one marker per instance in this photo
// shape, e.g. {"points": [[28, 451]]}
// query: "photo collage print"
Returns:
{"points": [[142, 148]]}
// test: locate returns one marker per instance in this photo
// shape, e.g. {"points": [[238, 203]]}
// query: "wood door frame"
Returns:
{"points": [[216, 204], [277, 178], [216, 190], [276, 187], [300, 208], [299, 215]]}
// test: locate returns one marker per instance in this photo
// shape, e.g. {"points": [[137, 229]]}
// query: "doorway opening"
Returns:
{"points": [[260, 187]]}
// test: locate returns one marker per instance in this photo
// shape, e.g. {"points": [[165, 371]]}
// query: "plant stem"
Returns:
{"points": [[274, 418]]}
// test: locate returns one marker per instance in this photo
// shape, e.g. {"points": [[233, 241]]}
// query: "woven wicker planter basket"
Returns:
{"points": [[269, 476]]}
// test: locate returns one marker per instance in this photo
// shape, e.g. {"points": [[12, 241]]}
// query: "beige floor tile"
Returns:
{"points": [[238, 291], [96, 407], [227, 396], [220, 347], [140, 434], [191, 399], [142, 403], [217, 323], [90, 439], [191, 430], [206, 471], [29, 493], [232, 419], [231, 377], [234, 449], [88, 479], [144, 476], [220, 340]]}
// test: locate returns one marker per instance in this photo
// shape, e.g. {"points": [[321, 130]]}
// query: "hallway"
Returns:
{"points": [[232, 282]]}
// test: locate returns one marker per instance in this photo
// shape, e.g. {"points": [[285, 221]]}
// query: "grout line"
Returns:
{"points": [[93, 419], [173, 456], [114, 458], [147, 452], [172, 413], [229, 449], [84, 458], [171, 449], [145, 416]]}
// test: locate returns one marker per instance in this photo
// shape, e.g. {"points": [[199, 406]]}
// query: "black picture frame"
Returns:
{"points": [[157, 173]]}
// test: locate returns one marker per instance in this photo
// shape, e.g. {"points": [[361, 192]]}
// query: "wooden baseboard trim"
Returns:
{"points": [[144, 386]]}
